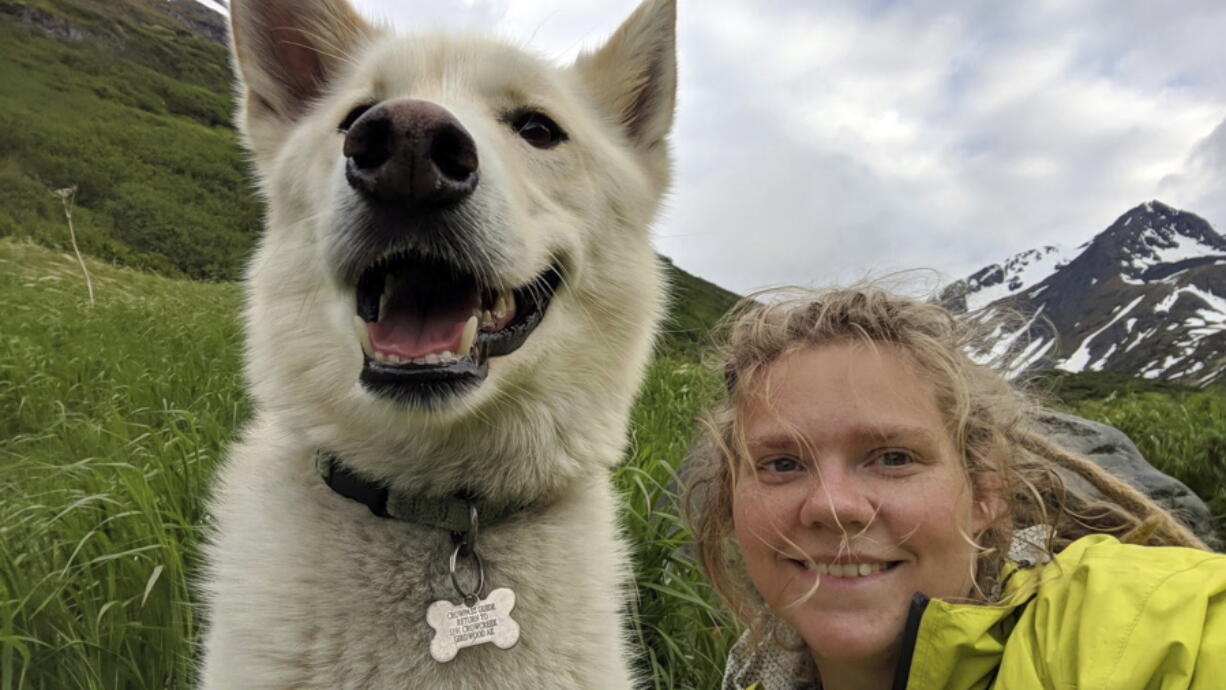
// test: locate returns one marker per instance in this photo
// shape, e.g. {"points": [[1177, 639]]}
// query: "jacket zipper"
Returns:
{"points": [[910, 633]]}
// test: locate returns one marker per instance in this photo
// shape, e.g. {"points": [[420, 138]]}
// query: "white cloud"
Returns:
{"points": [[820, 142], [1201, 184]]}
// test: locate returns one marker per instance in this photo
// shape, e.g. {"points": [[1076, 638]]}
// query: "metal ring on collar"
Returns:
{"points": [[470, 598], [470, 537]]}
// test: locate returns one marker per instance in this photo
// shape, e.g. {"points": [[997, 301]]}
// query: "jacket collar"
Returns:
{"points": [[966, 640], [941, 639]]}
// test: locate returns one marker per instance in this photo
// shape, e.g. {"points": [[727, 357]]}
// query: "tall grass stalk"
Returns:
{"points": [[66, 196]]}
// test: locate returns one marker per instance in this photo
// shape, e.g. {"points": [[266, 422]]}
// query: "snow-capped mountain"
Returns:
{"points": [[1001, 280], [208, 19], [1146, 297], [218, 6]]}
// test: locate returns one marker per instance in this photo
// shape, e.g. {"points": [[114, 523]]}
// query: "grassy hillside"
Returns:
{"points": [[111, 97], [696, 305], [111, 420], [1069, 389]]}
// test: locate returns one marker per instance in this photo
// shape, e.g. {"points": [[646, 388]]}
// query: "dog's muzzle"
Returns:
{"points": [[428, 329]]}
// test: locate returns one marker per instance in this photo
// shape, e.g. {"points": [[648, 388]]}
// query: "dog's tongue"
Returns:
{"points": [[412, 328]]}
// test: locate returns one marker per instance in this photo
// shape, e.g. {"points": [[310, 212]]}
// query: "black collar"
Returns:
{"points": [[452, 513]]}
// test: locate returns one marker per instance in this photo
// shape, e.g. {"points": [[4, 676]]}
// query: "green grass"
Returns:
{"points": [[683, 637], [697, 306], [1070, 389], [111, 420]]}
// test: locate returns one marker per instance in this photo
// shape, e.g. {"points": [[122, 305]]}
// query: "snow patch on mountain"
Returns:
{"points": [[219, 7], [1080, 360], [1216, 304], [1024, 270], [1166, 245]]}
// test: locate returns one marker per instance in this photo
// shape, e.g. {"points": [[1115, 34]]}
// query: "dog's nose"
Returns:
{"points": [[412, 153]]}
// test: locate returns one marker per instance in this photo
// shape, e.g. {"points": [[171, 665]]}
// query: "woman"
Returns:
{"points": [[874, 507]]}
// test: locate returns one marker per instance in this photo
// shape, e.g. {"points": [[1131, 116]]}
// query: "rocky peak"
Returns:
{"points": [[1153, 235], [1001, 280], [1145, 297]]}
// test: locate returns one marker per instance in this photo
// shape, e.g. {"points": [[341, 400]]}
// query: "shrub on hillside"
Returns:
{"points": [[1182, 434]]}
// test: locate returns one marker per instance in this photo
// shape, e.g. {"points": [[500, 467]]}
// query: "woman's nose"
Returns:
{"points": [[837, 500]]}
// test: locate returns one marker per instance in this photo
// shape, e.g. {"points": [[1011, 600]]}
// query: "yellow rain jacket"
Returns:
{"points": [[1101, 616]]}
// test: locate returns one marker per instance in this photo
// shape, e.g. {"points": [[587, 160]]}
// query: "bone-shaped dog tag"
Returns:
{"points": [[459, 626]]}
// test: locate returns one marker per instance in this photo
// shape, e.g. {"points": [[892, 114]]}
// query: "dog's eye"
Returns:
{"points": [[353, 116], [538, 129]]}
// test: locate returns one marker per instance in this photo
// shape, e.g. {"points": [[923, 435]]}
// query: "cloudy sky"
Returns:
{"points": [[827, 140]]}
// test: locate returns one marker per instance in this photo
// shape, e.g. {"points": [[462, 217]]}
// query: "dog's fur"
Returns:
{"points": [[308, 589]]}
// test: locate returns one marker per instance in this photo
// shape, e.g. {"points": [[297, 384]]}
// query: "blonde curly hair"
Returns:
{"points": [[988, 419]]}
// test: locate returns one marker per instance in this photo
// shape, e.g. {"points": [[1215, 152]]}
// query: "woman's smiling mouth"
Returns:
{"points": [[848, 570]]}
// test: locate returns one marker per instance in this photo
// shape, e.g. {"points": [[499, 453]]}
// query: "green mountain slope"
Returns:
{"points": [[120, 100]]}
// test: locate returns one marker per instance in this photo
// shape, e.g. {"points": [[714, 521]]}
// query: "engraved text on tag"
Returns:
{"points": [[459, 626]]}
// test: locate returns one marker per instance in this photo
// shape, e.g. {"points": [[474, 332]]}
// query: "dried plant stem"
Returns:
{"points": [[66, 195]]}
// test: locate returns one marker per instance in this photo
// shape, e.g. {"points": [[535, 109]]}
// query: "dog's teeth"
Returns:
{"points": [[447, 357], [487, 320], [363, 335], [469, 336], [395, 359], [431, 358], [502, 304]]}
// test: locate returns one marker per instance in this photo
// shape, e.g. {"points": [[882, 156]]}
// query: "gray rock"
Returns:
{"points": [[1116, 453]]}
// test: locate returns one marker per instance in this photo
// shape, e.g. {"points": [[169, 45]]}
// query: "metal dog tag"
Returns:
{"points": [[457, 626]]}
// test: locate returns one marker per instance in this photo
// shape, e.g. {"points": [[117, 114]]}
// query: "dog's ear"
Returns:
{"points": [[285, 53], [634, 75]]}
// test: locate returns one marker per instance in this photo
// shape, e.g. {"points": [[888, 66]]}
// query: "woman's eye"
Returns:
{"points": [[895, 458], [538, 129], [781, 465]]}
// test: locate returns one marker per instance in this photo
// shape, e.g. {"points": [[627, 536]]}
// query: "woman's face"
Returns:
{"points": [[852, 481]]}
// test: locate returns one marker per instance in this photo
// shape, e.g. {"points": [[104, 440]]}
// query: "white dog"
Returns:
{"points": [[447, 320]]}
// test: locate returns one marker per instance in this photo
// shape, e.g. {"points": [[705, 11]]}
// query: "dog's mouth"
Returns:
{"points": [[429, 328]]}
